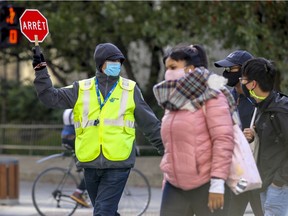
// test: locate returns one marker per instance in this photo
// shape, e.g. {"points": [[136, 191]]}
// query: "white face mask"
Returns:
{"points": [[174, 74]]}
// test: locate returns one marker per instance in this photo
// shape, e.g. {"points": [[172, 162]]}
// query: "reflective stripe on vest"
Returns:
{"points": [[116, 116]]}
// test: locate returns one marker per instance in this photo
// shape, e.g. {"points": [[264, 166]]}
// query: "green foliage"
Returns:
{"points": [[23, 106]]}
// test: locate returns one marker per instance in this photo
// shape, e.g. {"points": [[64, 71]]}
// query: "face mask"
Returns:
{"points": [[174, 74], [112, 68], [233, 77], [252, 93]]}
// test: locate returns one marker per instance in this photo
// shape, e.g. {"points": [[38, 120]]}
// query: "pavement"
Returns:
{"points": [[25, 207], [28, 169]]}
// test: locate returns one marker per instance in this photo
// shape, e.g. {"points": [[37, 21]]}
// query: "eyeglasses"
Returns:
{"points": [[233, 69], [241, 79]]}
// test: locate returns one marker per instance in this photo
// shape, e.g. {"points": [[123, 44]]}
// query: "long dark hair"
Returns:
{"points": [[192, 54]]}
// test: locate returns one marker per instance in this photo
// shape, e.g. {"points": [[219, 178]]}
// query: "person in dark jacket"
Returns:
{"points": [[232, 65], [271, 125], [106, 109], [232, 72]]}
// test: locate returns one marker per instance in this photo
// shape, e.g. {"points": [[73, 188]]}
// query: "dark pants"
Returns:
{"points": [[105, 187], [239, 203], [177, 202], [82, 185]]}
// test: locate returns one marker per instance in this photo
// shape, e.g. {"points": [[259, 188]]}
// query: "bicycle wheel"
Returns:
{"points": [[136, 195], [51, 192]]}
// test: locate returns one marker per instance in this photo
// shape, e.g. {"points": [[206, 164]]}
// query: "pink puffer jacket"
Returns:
{"points": [[198, 146]]}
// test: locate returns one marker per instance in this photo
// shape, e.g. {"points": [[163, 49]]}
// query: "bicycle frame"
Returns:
{"points": [[58, 196], [134, 201]]}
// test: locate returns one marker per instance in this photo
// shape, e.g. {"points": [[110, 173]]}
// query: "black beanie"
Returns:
{"points": [[107, 51]]}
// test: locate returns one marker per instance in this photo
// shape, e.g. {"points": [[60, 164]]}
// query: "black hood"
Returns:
{"points": [[107, 51]]}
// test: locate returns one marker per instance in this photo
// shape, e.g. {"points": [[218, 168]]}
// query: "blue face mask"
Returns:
{"points": [[112, 68]]}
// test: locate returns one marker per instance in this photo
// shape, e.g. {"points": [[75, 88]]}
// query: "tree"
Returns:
{"points": [[76, 27], [23, 106]]}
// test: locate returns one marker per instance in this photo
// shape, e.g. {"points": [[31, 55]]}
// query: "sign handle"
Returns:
{"points": [[36, 40], [37, 48]]}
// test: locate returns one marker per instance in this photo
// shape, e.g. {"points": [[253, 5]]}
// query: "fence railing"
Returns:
{"points": [[41, 139], [30, 139]]}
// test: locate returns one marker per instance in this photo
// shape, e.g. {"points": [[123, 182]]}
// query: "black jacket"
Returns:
{"points": [[245, 108], [272, 126]]}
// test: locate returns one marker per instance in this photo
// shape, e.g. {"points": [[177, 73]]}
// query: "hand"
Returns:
{"points": [[249, 134], [38, 60], [215, 201]]}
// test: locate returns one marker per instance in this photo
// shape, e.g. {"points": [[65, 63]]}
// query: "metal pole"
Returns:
{"points": [[3, 92], [3, 100]]}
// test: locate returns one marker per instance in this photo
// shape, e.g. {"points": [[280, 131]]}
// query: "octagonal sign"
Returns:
{"points": [[34, 25]]}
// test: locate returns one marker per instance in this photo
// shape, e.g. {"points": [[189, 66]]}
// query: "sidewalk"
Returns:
{"points": [[28, 169], [26, 208]]}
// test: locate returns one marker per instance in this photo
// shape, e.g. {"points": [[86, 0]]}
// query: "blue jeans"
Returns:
{"points": [[275, 201], [105, 187]]}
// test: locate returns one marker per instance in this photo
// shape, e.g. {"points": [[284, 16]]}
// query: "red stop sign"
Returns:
{"points": [[32, 23]]}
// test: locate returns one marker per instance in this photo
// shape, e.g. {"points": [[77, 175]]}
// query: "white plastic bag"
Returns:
{"points": [[244, 175]]}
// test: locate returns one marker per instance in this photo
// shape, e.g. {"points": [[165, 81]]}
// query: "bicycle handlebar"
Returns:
{"points": [[62, 154], [51, 157]]}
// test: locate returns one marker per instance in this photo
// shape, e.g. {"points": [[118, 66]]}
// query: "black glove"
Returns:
{"points": [[38, 60]]}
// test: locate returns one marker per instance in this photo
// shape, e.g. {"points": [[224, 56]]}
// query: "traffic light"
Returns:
{"points": [[10, 33]]}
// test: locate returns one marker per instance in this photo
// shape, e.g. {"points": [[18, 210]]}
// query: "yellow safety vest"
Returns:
{"points": [[111, 129]]}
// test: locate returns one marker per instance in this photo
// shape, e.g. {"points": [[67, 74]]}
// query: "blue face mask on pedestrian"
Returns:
{"points": [[112, 68]]}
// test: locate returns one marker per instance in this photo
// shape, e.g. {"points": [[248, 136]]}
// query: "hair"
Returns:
{"points": [[262, 71], [192, 54]]}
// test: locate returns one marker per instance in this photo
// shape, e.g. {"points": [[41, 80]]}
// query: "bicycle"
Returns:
{"points": [[52, 188]]}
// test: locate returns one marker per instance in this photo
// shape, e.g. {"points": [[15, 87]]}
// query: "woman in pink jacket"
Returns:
{"points": [[197, 132]]}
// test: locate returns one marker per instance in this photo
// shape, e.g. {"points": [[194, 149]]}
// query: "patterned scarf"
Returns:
{"points": [[191, 91]]}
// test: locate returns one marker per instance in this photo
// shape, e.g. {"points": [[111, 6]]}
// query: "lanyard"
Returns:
{"points": [[107, 96]]}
